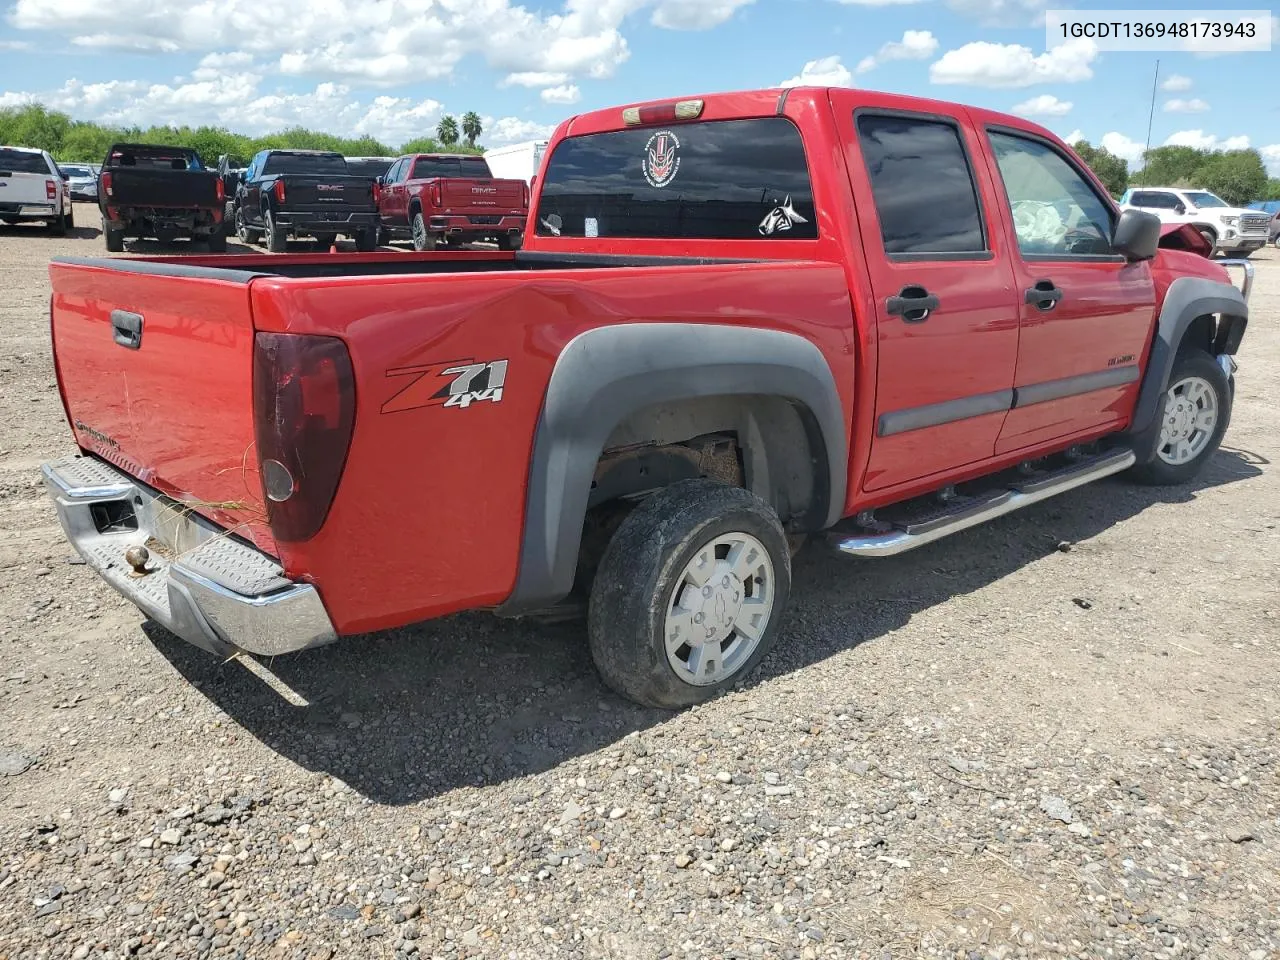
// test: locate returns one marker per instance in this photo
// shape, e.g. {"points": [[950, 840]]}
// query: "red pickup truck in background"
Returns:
{"points": [[737, 321], [434, 198]]}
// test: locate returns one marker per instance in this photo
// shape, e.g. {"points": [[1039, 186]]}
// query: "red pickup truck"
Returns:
{"points": [[434, 198], [738, 320]]}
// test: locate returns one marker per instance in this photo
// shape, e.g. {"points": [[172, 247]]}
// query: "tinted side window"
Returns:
{"points": [[1055, 210], [715, 180], [923, 186], [1148, 198]]}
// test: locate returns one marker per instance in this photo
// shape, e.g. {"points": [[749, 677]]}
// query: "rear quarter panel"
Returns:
{"points": [[429, 515]]}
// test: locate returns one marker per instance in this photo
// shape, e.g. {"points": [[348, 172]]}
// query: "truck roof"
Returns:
{"points": [[307, 153], [21, 149], [442, 156]]}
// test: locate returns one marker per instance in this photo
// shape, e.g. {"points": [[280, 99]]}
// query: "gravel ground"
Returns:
{"points": [[1052, 736]]}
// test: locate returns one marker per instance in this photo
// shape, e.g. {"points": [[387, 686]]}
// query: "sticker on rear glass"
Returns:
{"points": [[591, 227], [661, 160], [780, 219]]}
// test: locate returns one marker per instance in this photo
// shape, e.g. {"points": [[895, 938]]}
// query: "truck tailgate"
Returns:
{"points": [[150, 187], [17, 189], [157, 375], [322, 192], [483, 194]]}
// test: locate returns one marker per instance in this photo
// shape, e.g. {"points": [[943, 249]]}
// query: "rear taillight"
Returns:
{"points": [[279, 190], [50, 190], [303, 412], [524, 196], [220, 190], [106, 185], [435, 195], [377, 192]]}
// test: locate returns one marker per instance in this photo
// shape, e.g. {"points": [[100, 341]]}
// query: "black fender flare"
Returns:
{"points": [[608, 373], [1186, 299]]}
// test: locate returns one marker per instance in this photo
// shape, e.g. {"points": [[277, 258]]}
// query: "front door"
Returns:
{"points": [[946, 316], [1086, 313]]}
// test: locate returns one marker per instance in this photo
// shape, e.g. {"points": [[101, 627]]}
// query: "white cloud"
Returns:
{"points": [[914, 45], [877, 3], [984, 64], [1045, 105], [1176, 83], [514, 130], [1075, 136], [1205, 141], [1195, 105], [695, 14], [1271, 158], [566, 93], [534, 78], [1123, 147], [14, 45], [1003, 13], [389, 42], [823, 72]]}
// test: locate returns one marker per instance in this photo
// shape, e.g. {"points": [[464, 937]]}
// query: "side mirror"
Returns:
{"points": [[1180, 208], [1137, 235]]}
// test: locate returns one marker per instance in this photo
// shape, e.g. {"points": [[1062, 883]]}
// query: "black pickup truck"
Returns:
{"points": [[305, 193], [149, 190]]}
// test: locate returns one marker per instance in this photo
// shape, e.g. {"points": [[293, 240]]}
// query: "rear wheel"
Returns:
{"points": [[114, 239], [1194, 415], [58, 225], [71, 217], [217, 241], [689, 594], [423, 239], [509, 241], [326, 240], [277, 241], [367, 240]]}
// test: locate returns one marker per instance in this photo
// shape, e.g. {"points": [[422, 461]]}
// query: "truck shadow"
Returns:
{"points": [[408, 714]]}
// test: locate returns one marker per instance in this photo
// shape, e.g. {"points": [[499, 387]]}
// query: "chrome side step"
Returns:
{"points": [[997, 504]]}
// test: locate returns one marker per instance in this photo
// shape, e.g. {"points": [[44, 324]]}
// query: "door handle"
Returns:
{"points": [[1044, 295], [126, 329], [913, 304]]}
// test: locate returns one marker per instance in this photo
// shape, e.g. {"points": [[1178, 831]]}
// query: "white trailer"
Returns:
{"points": [[519, 161]]}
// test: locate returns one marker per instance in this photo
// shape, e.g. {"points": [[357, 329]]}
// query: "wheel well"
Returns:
{"points": [[415, 206], [1199, 334], [1207, 227]]}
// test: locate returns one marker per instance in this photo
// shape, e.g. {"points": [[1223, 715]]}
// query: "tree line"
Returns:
{"points": [[1237, 176], [82, 141]]}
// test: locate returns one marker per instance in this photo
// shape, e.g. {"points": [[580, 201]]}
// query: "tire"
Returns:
{"points": [[326, 240], [217, 241], [58, 225], [71, 217], [509, 241], [229, 212], [246, 233], [1210, 238], [643, 575], [366, 240], [1196, 384], [384, 237], [277, 242], [114, 240], [422, 238]]}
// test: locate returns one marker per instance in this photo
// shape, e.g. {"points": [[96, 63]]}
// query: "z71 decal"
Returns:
{"points": [[454, 383]]}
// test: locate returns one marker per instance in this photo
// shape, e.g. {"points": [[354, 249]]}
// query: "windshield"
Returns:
{"points": [[316, 164], [19, 161], [76, 171], [368, 168], [1206, 200]]}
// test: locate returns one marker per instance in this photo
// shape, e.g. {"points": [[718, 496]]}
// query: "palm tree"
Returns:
{"points": [[447, 131], [471, 128]]}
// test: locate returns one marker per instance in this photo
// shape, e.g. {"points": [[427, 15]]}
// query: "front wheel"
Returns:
{"points": [[1194, 415], [689, 594], [244, 232]]}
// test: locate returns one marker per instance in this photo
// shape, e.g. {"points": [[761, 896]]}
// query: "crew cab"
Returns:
{"points": [[33, 188], [451, 198], [882, 321], [305, 193], [164, 192], [1233, 231]]}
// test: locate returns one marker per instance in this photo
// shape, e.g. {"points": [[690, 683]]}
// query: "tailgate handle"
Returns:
{"points": [[126, 328]]}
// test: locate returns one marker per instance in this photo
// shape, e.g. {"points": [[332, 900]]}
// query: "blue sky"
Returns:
{"points": [[392, 67]]}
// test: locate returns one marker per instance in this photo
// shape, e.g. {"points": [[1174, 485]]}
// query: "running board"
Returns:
{"points": [[981, 509]]}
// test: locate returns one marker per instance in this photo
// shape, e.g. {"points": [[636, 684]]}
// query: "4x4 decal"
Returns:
{"points": [[453, 383]]}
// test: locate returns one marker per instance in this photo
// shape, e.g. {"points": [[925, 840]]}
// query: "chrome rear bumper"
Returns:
{"points": [[200, 583]]}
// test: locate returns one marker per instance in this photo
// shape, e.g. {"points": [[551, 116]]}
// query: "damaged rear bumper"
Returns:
{"points": [[200, 583]]}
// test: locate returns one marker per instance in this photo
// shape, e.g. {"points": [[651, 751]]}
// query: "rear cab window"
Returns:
{"points": [[313, 164], [456, 168], [153, 158], [711, 180], [21, 161]]}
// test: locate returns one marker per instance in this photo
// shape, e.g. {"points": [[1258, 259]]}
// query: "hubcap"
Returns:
{"points": [[419, 233], [1190, 417], [719, 609]]}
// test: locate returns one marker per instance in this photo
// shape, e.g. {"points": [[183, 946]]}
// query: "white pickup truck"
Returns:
{"points": [[32, 188], [1233, 231]]}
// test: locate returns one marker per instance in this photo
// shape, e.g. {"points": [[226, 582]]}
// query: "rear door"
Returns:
{"points": [[1085, 313], [251, 190], [947, 320], [25, 178]]}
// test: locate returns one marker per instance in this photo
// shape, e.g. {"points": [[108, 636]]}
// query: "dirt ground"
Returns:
{"points": [[1051, 736]]}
